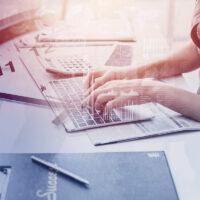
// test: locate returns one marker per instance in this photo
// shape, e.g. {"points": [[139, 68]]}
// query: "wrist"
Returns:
{"points": [[132, 73], [150, 70], [155, 91]]}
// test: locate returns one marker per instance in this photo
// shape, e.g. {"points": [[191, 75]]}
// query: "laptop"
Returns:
{"points": [[70, 93]]}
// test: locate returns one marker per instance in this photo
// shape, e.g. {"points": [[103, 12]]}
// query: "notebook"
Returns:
{"points": [[119, 176]]}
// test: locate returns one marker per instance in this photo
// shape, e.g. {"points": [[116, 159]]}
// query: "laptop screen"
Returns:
{"points": [[16, 11]]}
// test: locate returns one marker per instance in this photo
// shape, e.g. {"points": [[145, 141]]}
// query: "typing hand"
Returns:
{"points": [[120, 93], [99, 76]]}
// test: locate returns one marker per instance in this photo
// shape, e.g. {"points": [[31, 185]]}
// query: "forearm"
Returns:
{"points": [[179, 100], [184, 60]]}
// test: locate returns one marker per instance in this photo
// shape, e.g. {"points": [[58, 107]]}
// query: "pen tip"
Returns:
{"points": [[87, 185]]}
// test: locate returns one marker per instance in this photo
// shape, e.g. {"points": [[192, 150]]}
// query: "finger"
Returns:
{"points": [[89, 100], [92, 74], [98, 82], [106, 89], [116, 103], [102, 100], [87, 80], [124, 101]]}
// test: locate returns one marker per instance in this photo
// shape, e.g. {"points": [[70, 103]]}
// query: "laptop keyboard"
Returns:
{"points": [[70, 91]]}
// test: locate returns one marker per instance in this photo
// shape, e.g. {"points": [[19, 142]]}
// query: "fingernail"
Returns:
{"points": [[83, 104], [97, 106]]}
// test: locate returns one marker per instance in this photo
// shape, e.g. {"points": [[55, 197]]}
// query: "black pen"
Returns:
{"points": [[26, 100]]}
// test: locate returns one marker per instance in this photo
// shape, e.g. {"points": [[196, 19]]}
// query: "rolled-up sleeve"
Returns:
{"points": [[195, 32]]}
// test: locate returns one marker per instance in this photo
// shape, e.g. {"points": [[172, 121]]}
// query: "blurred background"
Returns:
{"points": [[173, 17]]}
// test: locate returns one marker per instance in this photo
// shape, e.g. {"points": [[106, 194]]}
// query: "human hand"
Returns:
{"points": [[118, 93], [99, 76]]}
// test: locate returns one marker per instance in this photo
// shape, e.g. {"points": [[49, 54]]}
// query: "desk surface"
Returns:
{"points": [[28, 129]]}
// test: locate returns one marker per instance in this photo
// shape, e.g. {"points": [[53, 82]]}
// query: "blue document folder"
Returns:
{"points": [[119, 176]]}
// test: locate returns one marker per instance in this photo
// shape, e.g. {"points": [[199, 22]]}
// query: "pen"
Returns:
{"points": [[23, 99], [60, 170], [62, 45], [26, 100]]}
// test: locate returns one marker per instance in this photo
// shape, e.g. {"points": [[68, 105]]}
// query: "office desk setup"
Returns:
{"points": [[26, 118]]}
